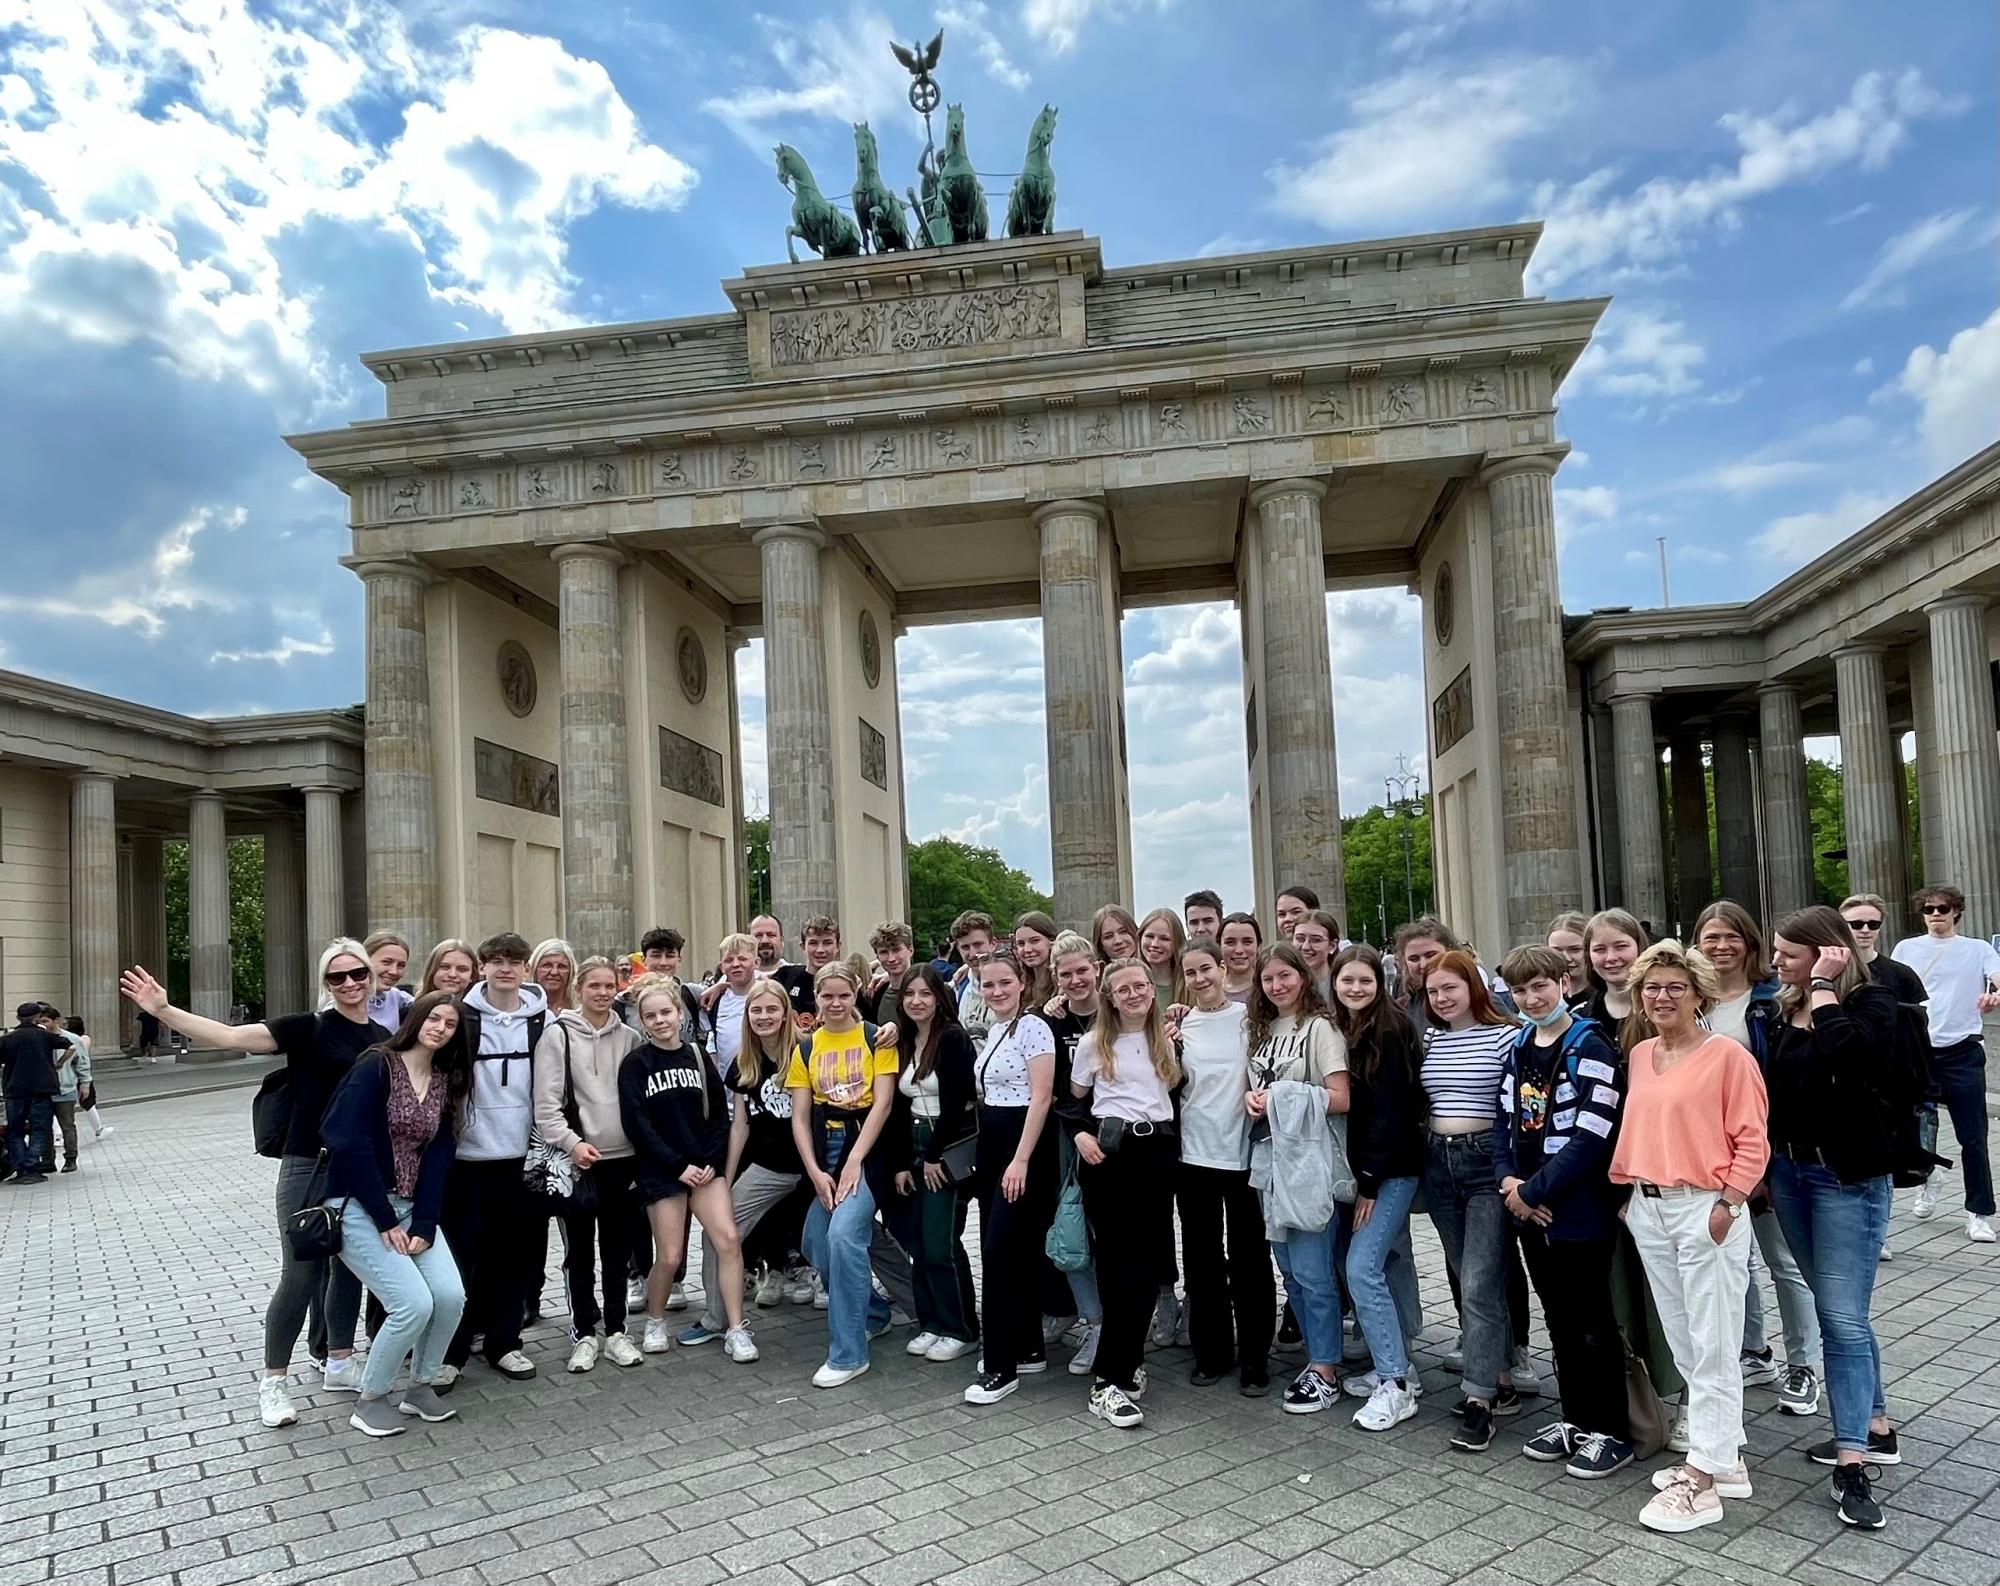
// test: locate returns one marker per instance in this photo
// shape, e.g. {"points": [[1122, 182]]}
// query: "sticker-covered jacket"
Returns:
{"points": [[1556, 1123]]}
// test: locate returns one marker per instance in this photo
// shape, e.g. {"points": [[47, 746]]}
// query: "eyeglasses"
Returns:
{"points": [[1938, 908], [347, 977], [1863, 925], [1671, 993]]}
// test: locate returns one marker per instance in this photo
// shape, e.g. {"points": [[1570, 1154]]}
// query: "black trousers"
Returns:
{"points": [[608, 1228], [1231, 1298], [1573, 1277], [1012, 1238], [1129, 1199], [489, 1222]]}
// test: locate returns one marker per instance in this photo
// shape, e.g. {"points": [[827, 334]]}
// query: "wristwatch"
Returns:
{"points": [[1734, 1208]]}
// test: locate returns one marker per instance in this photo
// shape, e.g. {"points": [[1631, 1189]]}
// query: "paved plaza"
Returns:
{"points": [[130, 1449]]}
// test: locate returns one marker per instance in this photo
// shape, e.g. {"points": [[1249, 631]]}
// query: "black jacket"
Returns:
{"points": [[28, 1061], [360, 1160], [1830, 1089], [1385, 1117], [957, 1111]]}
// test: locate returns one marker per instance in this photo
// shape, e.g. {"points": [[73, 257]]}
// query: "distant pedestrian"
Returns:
{"points": [[28, 1077], [86, 1100]]}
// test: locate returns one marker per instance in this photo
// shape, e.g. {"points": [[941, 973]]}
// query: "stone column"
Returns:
{"points": [[128, 934], [1781, 772], [596, 778], [93, 907], [1089, 834], [402, 809], [1538, 776], [1301, 775], [325, 877], [210, 989], [1610, 845], [1967, 762], [1638, 757], [1694, 883], [1871, 785], [798, 730], [1735, 813], [284, 921], [1923, 727], [149, 905]]}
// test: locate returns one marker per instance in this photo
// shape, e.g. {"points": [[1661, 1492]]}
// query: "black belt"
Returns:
{"points": [[1811, 1155]]}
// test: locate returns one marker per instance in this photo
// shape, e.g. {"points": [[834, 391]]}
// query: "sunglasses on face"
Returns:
{"points": [[346, 977], [1937, 908], [1864, 925]]}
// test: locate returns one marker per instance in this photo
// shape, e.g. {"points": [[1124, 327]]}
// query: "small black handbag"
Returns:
{"points": [[312, 1233]]}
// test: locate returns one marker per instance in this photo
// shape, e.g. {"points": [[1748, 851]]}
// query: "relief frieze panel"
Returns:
{"points": [[996, 315]]}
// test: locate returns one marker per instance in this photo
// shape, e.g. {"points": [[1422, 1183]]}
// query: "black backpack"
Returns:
{"points": [[1912, 1124], [271, 1112]]}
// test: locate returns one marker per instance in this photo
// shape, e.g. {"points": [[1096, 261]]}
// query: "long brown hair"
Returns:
{"points": [[1377, 1030], [1820, 926], [450, 1060], [1263, 1011], [1462, 964], [923, 1058]]}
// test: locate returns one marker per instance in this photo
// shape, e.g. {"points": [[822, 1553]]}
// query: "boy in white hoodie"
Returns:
{"points": [[500, 1238]]}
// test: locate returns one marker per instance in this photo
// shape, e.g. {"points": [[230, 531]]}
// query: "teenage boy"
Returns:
{"points": [[1561, 1089], [722, 1026], [1959, 974], [28, 1055], [972, 940], [660, 950], [1203, 913], [894, 945], [499, 1239]]}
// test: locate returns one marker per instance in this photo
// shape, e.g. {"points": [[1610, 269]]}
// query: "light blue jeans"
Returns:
{"points": [[836, 1243], [422, 1294], [1795, 1301], [1371, 1250], [1836, 1231], [1306, 1260]]}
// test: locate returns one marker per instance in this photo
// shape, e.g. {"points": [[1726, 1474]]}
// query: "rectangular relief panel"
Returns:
{"points": [[691, 768], [508, 776], [874, 755], [1451, 712]]}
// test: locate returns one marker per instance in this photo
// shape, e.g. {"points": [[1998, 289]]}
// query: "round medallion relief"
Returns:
{"points": [[691, 661], [871, 650], [517, 677], [1442, 600]]}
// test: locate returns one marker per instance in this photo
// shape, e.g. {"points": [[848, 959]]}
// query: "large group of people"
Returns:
{"points": [[1157, 1122]]}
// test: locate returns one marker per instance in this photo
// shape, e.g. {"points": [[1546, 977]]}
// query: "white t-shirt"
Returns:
{"points": [[1215, 1055], [1133, 1091], [1731, 1018], [728, 1027], [1308, 1054], [1954, 972], [923, 1093], [1001, 1074]]}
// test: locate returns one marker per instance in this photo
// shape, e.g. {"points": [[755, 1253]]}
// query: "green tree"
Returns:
{"points": [[757, 862], [947, 876], [246, 921], [1380, 895], [1826, 810]]}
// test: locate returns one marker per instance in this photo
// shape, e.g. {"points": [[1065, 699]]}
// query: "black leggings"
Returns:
{"points": [[1012, 1236]]}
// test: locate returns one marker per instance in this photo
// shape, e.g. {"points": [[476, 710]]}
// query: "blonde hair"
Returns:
{"points": [[451, 944], [1176, 987], [341, 947], [737, 942], [752, 1047], [1625, 924], [1820, 926], [1103, 1034], [1667, 954], [647, 987], [1067, 944], [839, 969], [589, 967]]}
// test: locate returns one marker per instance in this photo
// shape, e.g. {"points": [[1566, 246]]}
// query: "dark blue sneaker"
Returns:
{"points": [[1598, 1455], [700, 1333]]}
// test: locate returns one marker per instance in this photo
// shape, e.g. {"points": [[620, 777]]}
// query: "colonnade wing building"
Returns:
{"points": [[566, 537]]}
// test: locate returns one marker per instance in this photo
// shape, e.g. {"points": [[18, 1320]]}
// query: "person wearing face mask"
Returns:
{"points": [[1560, 1091], [1070, 1298], [577, 1110]]}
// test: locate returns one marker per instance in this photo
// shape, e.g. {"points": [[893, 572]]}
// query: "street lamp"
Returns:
{"points": [[1403, 787]]}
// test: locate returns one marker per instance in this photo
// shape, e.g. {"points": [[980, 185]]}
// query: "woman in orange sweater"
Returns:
{"points": [[1693, 1145]]}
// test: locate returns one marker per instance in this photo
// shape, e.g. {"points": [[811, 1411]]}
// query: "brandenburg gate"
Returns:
{"points": [[564, 537]]}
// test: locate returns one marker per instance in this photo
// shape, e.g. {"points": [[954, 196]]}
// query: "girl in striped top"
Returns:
{"points": [[1464, 1051]]}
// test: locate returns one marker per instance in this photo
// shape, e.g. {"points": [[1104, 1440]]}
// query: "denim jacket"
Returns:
{"points": [[1760, 1020]]}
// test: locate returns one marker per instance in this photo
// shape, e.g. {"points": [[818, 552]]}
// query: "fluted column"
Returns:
{"points": [[1638, 757], [1789, 884], [128, 1015], [1871, 784], [93, 906], [209, 977], [1089, 832], [596, 779], [401, 792], [284, 921], [798, 728], [1966, 761], [1301, 774], [326, 881], [1538, 781], [1735, 812], [1687, 779], [1923, 726]]}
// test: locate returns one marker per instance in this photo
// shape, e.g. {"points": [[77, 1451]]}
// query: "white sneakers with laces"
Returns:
{"points": [[343, 1376], [658, 1340], [921, 1344], [274, 1403], [1979, 1229], [1389, 1405], [1114, 1406], [1926, 1204], [584, 1357], [1681, 1505], [739, 1346], [621, 1351]]}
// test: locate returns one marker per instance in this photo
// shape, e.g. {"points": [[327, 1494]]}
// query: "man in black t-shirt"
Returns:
{"points": [[28, 1056]]}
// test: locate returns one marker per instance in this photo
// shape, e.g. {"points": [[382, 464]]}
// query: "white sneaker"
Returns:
{"points": [[1053, 1327], [1677, 1439], [1978, 1229], [798, 1285], [1527, 1380], [921, 1344], [106, 1131], [950, 1349], [635, 1294], [444, 1380], [1729, 1484], [1927, 1199], [770, 1287], [739, 1346], [657, 1340], [1166, 1320], [1760, 1371], [274, 1403], [621, 1351], [343, 1376], [515, 1366], [678, 1300], [1084, 1361], [1114, 1406], [1387, 1406], [830, 1376], [818, 1290], [584, 1356]]}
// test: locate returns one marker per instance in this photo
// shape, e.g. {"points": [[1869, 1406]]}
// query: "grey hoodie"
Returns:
{"points": [[594, 1056], [501, 1106]]}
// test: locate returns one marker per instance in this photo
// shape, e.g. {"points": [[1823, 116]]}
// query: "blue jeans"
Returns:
{"points": [[836, 1243], [1369, 1251], [421, 1294], [1465, 1205], [1836, 1231], [28, 1139], [1306, 1260]]}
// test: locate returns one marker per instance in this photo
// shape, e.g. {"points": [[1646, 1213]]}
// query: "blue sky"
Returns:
{"points": [[205, 211]]}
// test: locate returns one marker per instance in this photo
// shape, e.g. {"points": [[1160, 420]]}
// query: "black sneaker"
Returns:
{"points": [[1032, 1364], [1556, 1441], [1854, 1499], [1475, 1433], [1310, 1393], [1881, 1450], [1507, 1404], [1253, 1387], [1288, 1329], [1598, 1454], [991, 1388], [1198, 1378]]}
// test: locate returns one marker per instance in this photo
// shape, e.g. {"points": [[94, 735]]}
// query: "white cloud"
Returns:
{"points": [[837, 69], [1864, 366], [173, 151], [1424, 143], [288, 648], [1751, 476], [137, 596], [1797, 538], [1229, 242], [1583, 509], [1057, 25], [1957, 391], [1606, 235], [1641, 354], [1428, 22], [1936, 236], [965, 22]]}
